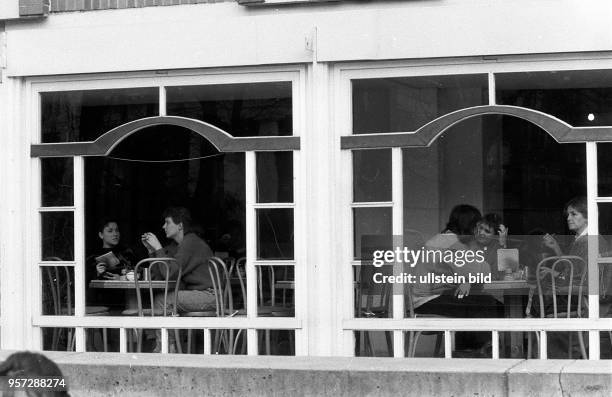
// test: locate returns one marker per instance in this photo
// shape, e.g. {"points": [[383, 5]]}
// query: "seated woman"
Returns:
{"points": [[490, 235], [453, 300], [191, 254], [108, 262]]}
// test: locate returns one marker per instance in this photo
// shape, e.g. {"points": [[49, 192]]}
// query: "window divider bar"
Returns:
{"points": [[252, 342], [66, 208], [369, 204], [79, 239], [207, 341], [79, 334], [164, 340], [543, 345], [162, 100], [495, 345], [448, 344], [123, 339], [250, 163], [593, 245]]}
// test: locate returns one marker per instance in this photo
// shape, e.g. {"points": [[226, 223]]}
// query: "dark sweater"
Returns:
{"points": [[192, 256]]}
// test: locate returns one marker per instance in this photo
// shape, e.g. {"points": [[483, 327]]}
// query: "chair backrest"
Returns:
{"points": [[164, 263], [261, 273], [222, 289], [59, 284], [238, 267], [566, 273]]}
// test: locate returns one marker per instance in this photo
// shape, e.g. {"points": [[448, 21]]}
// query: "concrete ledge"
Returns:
{"points": [[109, 374]]}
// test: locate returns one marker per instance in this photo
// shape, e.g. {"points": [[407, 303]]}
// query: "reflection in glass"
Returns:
{"points": [[580, 98], [57, 181], [370, 222], [274, 177], [79, 116], [57, 235], [275, 233], [57, 290], [372, 175], [400, 104], [251, 109], [58, 339], [276, 342]]}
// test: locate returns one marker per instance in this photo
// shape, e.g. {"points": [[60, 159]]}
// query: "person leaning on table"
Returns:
{"points": [[191, 254]]}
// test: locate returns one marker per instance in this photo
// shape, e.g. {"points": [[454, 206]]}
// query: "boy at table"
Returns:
{"points": [[191, 254]]}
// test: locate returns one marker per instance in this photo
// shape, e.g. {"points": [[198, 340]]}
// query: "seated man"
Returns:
{"points": [[191, 254]]}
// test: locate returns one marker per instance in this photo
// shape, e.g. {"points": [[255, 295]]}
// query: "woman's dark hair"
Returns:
{"points": [[492, 220], [105, 223], [579, 204], [462, 220], [180, 215]]}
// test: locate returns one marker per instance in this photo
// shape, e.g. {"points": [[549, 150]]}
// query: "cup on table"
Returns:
{"points": [[129, 276]]}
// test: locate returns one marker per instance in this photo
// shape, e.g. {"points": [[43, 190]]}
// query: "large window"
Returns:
{"points": [[505, 166], [240, 193]]}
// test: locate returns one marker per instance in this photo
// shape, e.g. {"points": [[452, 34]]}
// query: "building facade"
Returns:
{"points": [[308, 125]]}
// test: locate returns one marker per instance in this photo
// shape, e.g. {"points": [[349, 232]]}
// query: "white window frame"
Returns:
{"points": [[33, 87], [343, 74]]}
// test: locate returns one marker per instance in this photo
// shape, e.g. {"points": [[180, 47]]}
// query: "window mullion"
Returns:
{"points": [[79, 248], [251, 247], [593, 246]]}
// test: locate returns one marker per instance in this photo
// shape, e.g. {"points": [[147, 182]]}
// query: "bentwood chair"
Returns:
{"points": [[167, 310], [413, 336], [224, 307], [59, 284], [559, 279]]}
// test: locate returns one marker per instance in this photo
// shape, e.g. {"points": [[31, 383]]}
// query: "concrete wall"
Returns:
{"points": [[228, 34], [109, 374]]}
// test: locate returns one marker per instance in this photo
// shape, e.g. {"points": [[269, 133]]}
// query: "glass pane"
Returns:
{"points": [[478, 175], [424, 343], [604, 169], [102, 340], [568, 345], [578, 97], [78, 116], [472, 345], [276, 342], [275, 291], [372, 175], [401, 104], [605, 345], [275, 233], [369, 222], [57, 235], [57, 181], [252, 109], [516, 345], [57, 290], [135, 194], [222, 341], [275, 177], [58, 339], [373, 344]]}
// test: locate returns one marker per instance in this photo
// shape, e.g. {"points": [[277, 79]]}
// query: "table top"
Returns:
{"points": [[124, 284], [506, 285]]}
